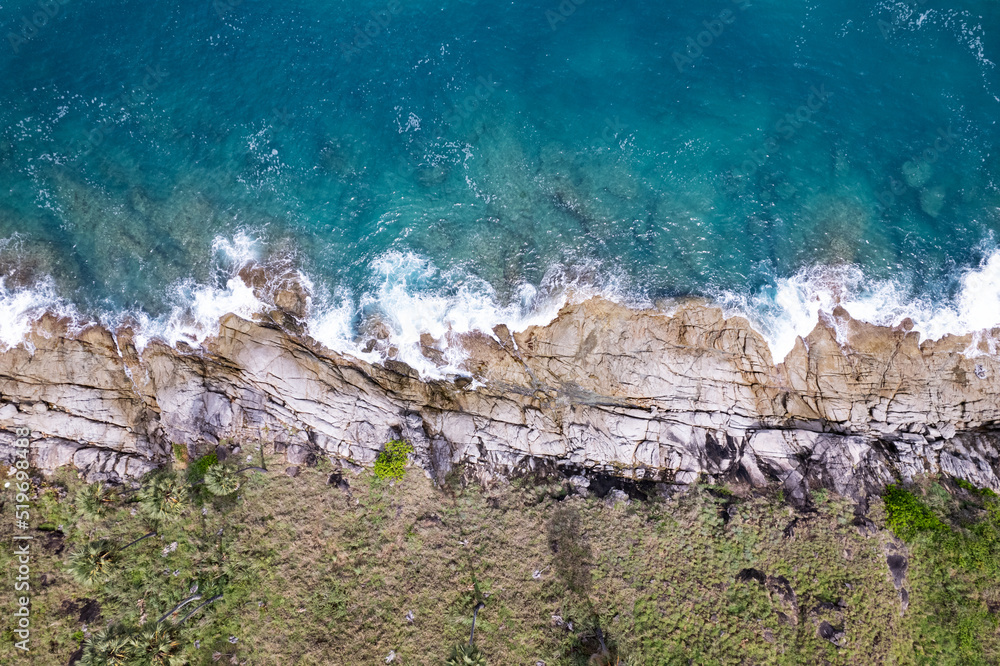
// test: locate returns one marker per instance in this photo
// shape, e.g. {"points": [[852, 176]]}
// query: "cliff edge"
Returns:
{"points": [[633, 393]]}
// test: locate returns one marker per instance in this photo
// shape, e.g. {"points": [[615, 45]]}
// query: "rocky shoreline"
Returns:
{"points": [[637, 394]]}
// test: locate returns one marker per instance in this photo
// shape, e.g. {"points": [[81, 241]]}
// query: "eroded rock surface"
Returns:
{"points": [[603, 387]]}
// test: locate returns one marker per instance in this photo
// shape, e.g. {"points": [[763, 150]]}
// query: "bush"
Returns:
{"points": [[907, 515], [391, 463], [201, 466]]}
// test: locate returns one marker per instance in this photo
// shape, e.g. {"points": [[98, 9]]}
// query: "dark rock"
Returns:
{"points": [[279, 447], [300, 455], [292, 471], [897, 567], [90, 611], [747, 575], [826, 630], [69, 608], [780, 587], [904, 600], [221, 453], [337, 479], [865, 526], [54, 542], [75, 657]]}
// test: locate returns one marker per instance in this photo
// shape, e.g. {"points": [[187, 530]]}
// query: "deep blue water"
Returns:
{"points": [[491, 152]]}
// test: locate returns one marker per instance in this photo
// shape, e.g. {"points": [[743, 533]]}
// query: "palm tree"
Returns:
{"points": [[221, 481], [163, 497], [108, 647], [154, 644], [96, 500], [94, 561]]}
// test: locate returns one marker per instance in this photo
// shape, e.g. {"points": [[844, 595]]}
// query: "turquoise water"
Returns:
{"points": [[479, 157]]}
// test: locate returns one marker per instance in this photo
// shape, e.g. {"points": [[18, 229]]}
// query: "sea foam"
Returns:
{"points": [[793, 308], [408, 296]]}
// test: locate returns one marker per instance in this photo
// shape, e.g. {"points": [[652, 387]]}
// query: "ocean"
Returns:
{"points": [[443, 167]]}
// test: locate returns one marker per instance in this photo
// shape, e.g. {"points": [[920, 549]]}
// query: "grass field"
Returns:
{"points": [[379, 570]]}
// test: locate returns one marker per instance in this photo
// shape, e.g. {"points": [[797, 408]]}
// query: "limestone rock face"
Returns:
{"points": [[604, 388]]}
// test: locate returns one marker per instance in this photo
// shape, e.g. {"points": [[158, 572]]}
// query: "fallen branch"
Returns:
{"points": [[200, 606], [179, 606]]}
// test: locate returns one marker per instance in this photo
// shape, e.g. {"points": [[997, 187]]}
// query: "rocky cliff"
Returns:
{"points": [[639, 394]]}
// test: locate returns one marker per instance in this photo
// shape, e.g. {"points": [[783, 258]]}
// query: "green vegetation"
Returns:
{"points": [[163, 496], [391, 462], [200, 468], [222, 481], [466, 655], [954, 542], [312, 570], [907, 516], [153, 644], [96, 500]]}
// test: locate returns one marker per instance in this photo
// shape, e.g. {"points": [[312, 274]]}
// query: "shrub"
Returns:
{"points": [[93, 563], [121, 645], [391, 463], [907, 515], [201, 466]]}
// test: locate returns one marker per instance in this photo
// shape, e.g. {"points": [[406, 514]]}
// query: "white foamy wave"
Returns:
{"points": [[238, 251], [793, 308], [413, 298], [22, 307], [197, 308], [196, 313]]}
